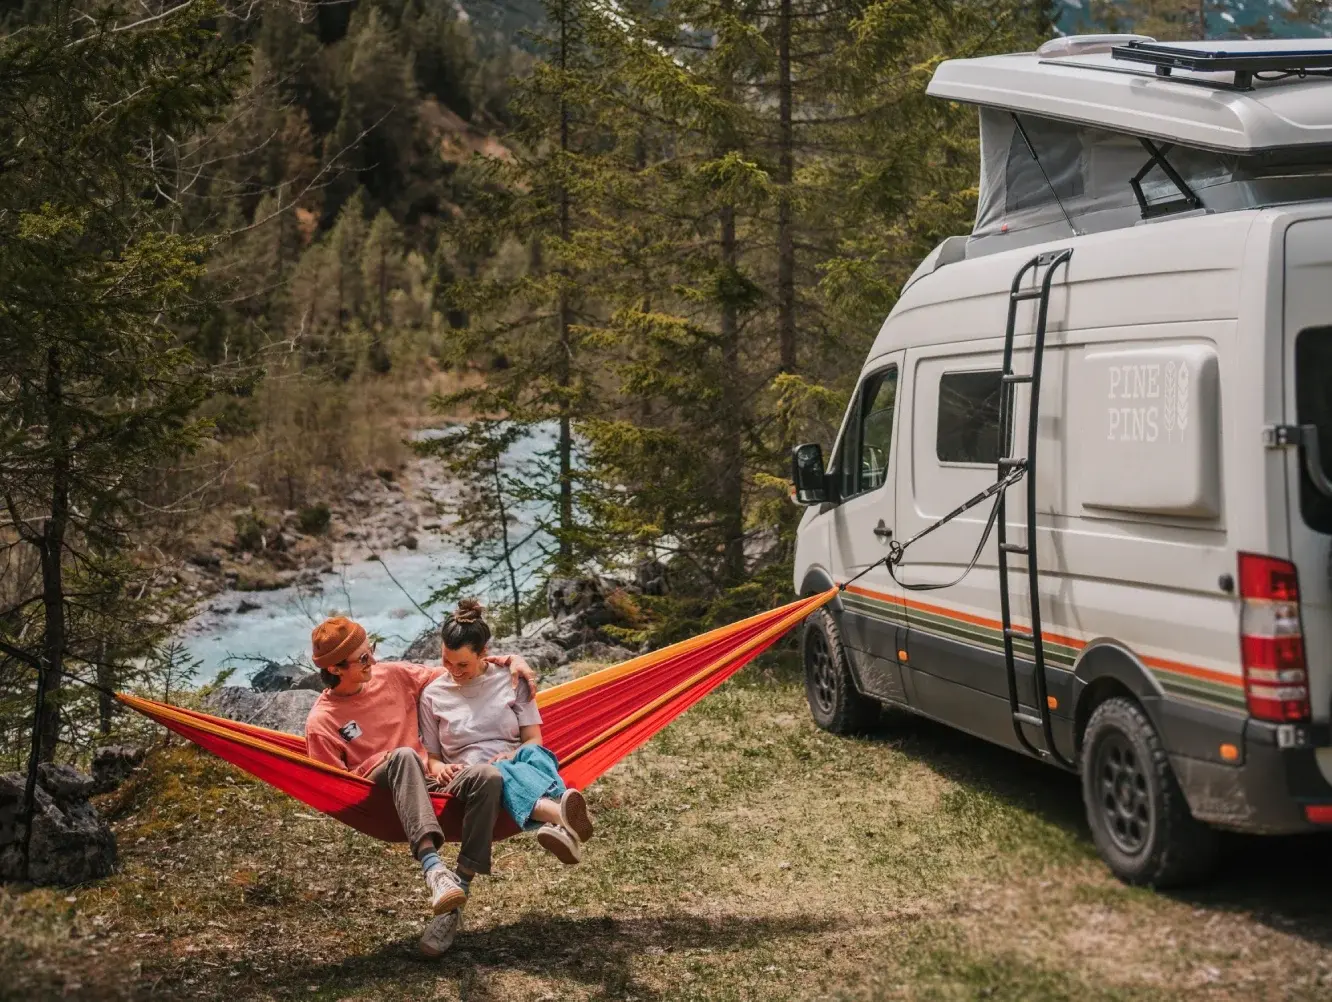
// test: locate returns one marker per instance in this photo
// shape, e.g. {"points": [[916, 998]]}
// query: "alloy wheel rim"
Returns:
{"points": [[1123, 794], [822, 678]]}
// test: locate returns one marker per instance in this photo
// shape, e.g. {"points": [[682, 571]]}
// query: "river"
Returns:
{"points": [[277, 624]]}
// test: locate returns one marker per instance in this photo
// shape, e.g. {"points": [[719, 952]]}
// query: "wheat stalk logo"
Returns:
{"points": [[1168, 405], [1182, 398]]}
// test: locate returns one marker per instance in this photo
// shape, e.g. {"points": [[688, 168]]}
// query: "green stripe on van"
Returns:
{"points": [[1057, 655]]}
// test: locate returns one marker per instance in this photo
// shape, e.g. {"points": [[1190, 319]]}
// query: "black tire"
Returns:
{"points": [[834, 701], [1139, 818]]}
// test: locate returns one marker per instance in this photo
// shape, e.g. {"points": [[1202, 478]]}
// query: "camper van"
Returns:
{"points": [[1081, 501]]}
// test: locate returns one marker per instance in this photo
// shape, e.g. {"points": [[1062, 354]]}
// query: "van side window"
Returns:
{"points": [[968, 417], [1313, 405], [862, 463]]}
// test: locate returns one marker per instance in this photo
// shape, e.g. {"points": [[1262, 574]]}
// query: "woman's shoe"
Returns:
{"points": [[574, 816], [561, 844]]}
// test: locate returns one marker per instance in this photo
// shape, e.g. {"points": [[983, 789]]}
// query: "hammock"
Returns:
{"points": [[590, 723]]}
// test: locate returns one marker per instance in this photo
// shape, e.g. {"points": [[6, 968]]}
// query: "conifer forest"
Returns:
{"points": [[243, 245]]}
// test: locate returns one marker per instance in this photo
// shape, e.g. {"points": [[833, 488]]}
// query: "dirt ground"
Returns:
{"points": [[743, 854]]}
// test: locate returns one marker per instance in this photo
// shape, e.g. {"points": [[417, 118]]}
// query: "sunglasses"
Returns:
{"points": [[364, 660]]}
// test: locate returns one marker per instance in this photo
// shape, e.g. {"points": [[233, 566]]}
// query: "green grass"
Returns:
{"points": [[741, 855]]}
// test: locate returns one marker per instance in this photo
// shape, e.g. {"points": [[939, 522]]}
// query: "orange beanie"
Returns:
{"points": [[336, 640]]}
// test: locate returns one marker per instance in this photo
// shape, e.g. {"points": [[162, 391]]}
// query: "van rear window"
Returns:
{"points": [[968, 417], [1313, 405]]}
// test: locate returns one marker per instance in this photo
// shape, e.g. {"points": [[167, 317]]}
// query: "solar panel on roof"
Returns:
{"points": [[1285, 58]]}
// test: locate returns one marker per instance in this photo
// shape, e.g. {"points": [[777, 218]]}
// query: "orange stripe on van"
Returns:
{"points": [[1164, 664], [965, 617], [1206, 674]]}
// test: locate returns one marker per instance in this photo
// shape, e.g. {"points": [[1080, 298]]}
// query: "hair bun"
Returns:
{"points": [[469, 611]]}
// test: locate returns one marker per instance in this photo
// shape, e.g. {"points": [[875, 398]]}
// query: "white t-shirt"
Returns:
{"points": [[472, 722]]}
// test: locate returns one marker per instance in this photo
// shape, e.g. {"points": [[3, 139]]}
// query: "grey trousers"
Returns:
{"points": [[478, 789]]}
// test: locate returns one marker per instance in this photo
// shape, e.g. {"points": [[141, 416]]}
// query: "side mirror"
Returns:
{"points": [[807, 470]]}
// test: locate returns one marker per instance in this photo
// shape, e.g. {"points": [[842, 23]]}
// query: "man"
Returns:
{"points": [[365, 721]]}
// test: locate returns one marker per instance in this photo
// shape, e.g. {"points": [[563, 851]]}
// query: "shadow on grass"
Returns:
{"points": [[1051, 794], [1284, 882], [1281, 881], [596, 953]]}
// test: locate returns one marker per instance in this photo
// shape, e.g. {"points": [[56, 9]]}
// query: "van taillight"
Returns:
{"points": [[1276, 680]]}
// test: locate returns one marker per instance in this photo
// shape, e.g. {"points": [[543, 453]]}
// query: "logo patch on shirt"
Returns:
{"points": [[350, 731]]}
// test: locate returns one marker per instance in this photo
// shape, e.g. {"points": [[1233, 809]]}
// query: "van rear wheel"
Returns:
{"points": [[1138, 816], [834, 701]]}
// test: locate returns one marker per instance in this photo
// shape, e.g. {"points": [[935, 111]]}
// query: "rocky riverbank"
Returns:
{"points": [[265, 549]]}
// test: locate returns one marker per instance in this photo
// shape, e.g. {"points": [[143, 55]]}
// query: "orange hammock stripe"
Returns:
{"points": [[590, 723]]}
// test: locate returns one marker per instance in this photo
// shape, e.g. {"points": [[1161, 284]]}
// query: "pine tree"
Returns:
{"points": [[383, 269], [673, 461], [542, 201], [757, 117], [96, 389]]}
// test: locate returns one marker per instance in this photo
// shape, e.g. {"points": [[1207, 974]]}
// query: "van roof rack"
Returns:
{"points": [[1246, 65]]}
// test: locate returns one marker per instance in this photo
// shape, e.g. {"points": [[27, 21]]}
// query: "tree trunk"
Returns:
{"points": [[105, 681], [786, 306], [383, 285], [508, 550], [564, 361], [51, 547], [731, 500], [379, 358], [732, 473]]}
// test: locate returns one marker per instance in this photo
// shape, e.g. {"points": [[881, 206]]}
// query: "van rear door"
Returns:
{"points": [[1308, 400]]}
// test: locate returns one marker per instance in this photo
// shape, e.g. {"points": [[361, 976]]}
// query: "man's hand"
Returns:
{"points": [[441, 771], [518, 668]]}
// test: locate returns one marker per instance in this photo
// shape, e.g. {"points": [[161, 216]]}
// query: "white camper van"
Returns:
{"points": [[1135, 343]]}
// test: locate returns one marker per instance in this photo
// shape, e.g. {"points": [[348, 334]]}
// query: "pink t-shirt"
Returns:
{"points": [[356, 732]]}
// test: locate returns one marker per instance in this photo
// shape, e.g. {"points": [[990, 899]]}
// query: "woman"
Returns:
{"points": [[471, 715]]}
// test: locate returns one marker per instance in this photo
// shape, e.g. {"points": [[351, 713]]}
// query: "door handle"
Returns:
{"points": [[882, 531]]}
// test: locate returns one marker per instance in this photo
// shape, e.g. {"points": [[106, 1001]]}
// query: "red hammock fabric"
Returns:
{"points": [[590, 723]]}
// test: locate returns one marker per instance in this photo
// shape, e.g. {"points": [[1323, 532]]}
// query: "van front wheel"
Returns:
{"points": [[1138, 816], [834, 701]]}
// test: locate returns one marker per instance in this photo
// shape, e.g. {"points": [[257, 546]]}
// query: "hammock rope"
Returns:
{"points": [[590, 723]]}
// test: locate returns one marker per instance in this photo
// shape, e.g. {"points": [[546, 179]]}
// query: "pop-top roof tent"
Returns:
{"points": [[1123, 129]]}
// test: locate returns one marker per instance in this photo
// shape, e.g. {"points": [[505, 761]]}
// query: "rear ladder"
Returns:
{"points": [[1009, 382]]}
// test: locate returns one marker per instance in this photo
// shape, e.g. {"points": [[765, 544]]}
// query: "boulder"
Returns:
{"points": [[274, 677], [70, 843], [278, 711], [424, 650], [650, 577], [312, 681], [64, 783], [257, 578], [207, 560], [597, 651], [583, 599], [113, 764], [542, 655], [578, 610]]}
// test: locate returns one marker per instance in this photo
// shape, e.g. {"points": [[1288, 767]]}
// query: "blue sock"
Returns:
{"points": [[430, 860], [465, 881]]}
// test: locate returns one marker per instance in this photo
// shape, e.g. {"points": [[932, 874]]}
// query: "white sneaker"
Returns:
{"points": [[446, 890], [574, 816], [439, 933], [560, 843]]}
